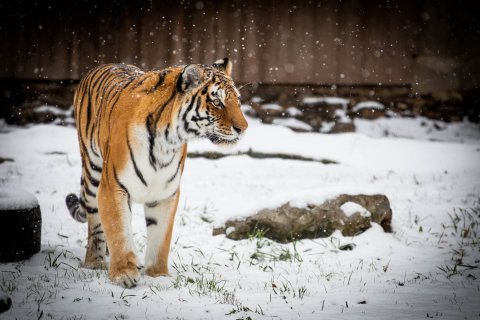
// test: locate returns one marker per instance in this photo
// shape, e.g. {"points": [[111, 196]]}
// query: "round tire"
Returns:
{"points": [[21, 227]]}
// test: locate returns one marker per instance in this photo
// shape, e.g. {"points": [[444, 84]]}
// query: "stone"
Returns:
{"points": [[342, 127], [286, 223]]}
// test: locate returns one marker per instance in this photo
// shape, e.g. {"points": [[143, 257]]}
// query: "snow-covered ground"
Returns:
{"points": [[426, 268]]}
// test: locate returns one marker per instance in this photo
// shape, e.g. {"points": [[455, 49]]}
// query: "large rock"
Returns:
{"points": [[287, 223]]}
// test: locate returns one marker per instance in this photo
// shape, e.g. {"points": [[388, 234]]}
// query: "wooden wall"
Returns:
{"points": [[273, 41]]}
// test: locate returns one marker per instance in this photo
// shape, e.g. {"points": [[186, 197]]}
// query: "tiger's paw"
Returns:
{"points": [[153, 272], [125, 272], [126, 278]]}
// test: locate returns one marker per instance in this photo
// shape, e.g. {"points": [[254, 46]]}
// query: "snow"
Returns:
{"points": [[420, 128], [292, 123], [350, 208], [272, 106], [327, 100], [292, 111], [368, 105], [16, 199], [407, 274], [53, 109], [257, 100], [342, 116]]}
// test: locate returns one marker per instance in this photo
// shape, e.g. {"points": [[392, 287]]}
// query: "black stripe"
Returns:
{"points": [[151, 139], [160, 81], [87, 208], [184, 117], [92, 180], [139, 83], [100, 73], [189, 108], [167, 132], [127, 82], [197, 109], [152, 204], [93, 166], [96, 232], [150, 221], [176, 172], [113, 104], [137, 171], [179, 80], [85, 151], [159, 111], [89, 192], [92, 146], [120, 184], [186, 127], [166, 164], [89, 110], [105, 76]]}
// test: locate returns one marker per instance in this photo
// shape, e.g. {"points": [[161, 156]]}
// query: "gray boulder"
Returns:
{"points": [[286, 223]]}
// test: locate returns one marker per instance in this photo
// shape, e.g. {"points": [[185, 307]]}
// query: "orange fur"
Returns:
{"points": [[129, 122]]}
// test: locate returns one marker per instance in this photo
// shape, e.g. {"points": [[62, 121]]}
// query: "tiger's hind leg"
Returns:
{"points": [[95, 257]]}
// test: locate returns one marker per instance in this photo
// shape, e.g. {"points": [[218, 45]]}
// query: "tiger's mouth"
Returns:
{"points": [[218, 140]]}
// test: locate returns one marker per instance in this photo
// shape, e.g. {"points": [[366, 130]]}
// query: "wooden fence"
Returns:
{"points": [[302, 42]]}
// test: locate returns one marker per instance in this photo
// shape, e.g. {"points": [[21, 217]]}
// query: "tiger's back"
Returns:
{"points": [[94, 100]]}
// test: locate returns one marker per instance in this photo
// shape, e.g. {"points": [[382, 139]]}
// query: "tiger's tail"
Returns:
{"points": [[75, 209]]}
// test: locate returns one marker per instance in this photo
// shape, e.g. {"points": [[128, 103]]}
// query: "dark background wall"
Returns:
{"points": [[428, 45]]}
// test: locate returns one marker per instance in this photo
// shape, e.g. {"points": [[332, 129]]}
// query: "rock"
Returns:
{"points": [[342, 127], [287, 223], [370, 113], [20, 230]]}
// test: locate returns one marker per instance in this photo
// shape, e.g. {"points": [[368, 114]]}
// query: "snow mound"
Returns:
{"points": [[257, 100], [272, 106], [350, 208], [54, 110], [16, 199], [294, 111], [327, 100], [292, 123], [342, 116], [420, 128], [368, 105]]}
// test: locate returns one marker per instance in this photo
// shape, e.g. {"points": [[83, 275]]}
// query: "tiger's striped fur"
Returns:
{"points": [[133, 128]]}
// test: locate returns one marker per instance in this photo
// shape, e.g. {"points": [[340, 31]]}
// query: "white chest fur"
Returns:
{"points": [[146, 181]]}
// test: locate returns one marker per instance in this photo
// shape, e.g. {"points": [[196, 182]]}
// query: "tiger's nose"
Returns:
{"points": [[240, 128]]}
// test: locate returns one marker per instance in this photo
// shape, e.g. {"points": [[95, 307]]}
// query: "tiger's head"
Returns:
{"points": [[210, 103]]}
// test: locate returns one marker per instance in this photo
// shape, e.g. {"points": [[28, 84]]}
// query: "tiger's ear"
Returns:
{"points": [[225, 65], [192, 77]]}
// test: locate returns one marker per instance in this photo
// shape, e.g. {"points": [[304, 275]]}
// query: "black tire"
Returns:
{"points": [[5, 302], [20, 231]]}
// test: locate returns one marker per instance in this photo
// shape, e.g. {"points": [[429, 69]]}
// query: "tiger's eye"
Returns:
{"points": [[216, 102]]}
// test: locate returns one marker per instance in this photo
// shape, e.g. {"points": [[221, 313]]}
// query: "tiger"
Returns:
{"points": [[133, 129]]}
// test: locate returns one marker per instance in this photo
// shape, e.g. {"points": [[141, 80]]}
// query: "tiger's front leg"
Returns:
{"points": [[115, 214], [159, 217]]}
